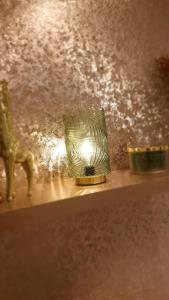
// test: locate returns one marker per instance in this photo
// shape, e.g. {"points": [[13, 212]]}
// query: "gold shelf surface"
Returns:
{"points": [[62, 189]]}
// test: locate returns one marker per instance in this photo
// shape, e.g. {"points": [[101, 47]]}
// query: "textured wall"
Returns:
{"points": [[59, 54], [115, 253]]}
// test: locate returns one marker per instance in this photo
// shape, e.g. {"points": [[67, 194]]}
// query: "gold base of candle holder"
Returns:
{"points": [[90, 180]]}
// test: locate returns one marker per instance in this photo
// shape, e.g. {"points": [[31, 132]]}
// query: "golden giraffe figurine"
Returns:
{"points": [[10, 149]]}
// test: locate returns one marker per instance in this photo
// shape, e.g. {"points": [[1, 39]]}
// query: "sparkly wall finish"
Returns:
{"points": [[115, 253], [59, 54]]}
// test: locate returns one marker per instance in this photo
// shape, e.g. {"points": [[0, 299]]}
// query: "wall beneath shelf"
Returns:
{"points": [[116, 251]]}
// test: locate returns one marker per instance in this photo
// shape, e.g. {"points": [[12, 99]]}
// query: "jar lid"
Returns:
{"points": [[148, 149]]}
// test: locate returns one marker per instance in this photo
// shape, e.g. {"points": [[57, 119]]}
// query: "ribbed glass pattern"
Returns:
{"points": [[86, 143]]}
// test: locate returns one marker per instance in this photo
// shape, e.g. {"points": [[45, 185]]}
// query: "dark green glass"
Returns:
{"points": [[149, 161], [86, 144]]}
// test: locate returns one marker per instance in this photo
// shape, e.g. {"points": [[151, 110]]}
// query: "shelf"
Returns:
{"points": [[65, 197]]}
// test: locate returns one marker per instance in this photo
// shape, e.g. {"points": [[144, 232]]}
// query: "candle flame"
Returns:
{"points": [[87, 150]]}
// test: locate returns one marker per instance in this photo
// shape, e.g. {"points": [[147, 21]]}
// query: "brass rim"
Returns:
{"points": [[134, 172], [90, 180], [148, 149]]}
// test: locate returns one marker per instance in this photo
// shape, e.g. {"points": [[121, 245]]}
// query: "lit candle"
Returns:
{"points": [[87, 151], [87, 147]]}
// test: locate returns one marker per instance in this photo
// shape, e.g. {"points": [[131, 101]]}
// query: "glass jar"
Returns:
{"points": [[87, 146], [144, 160]]}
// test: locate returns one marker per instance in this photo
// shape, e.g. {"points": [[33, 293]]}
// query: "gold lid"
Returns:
{"points": [[90, 180], [148, 149]]}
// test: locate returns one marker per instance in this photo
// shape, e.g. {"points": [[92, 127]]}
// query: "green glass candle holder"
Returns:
{"points": [[87, 146], [148, 159]]}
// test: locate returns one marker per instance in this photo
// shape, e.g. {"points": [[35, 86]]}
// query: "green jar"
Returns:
{"points": [[148, 159], [87, 146]]}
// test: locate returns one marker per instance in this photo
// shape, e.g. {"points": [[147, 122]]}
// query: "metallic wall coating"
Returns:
{"points": [[59, 55], [119, 252]]}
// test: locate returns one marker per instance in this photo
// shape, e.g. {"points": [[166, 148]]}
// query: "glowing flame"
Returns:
{"points": [[87, 150]]}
